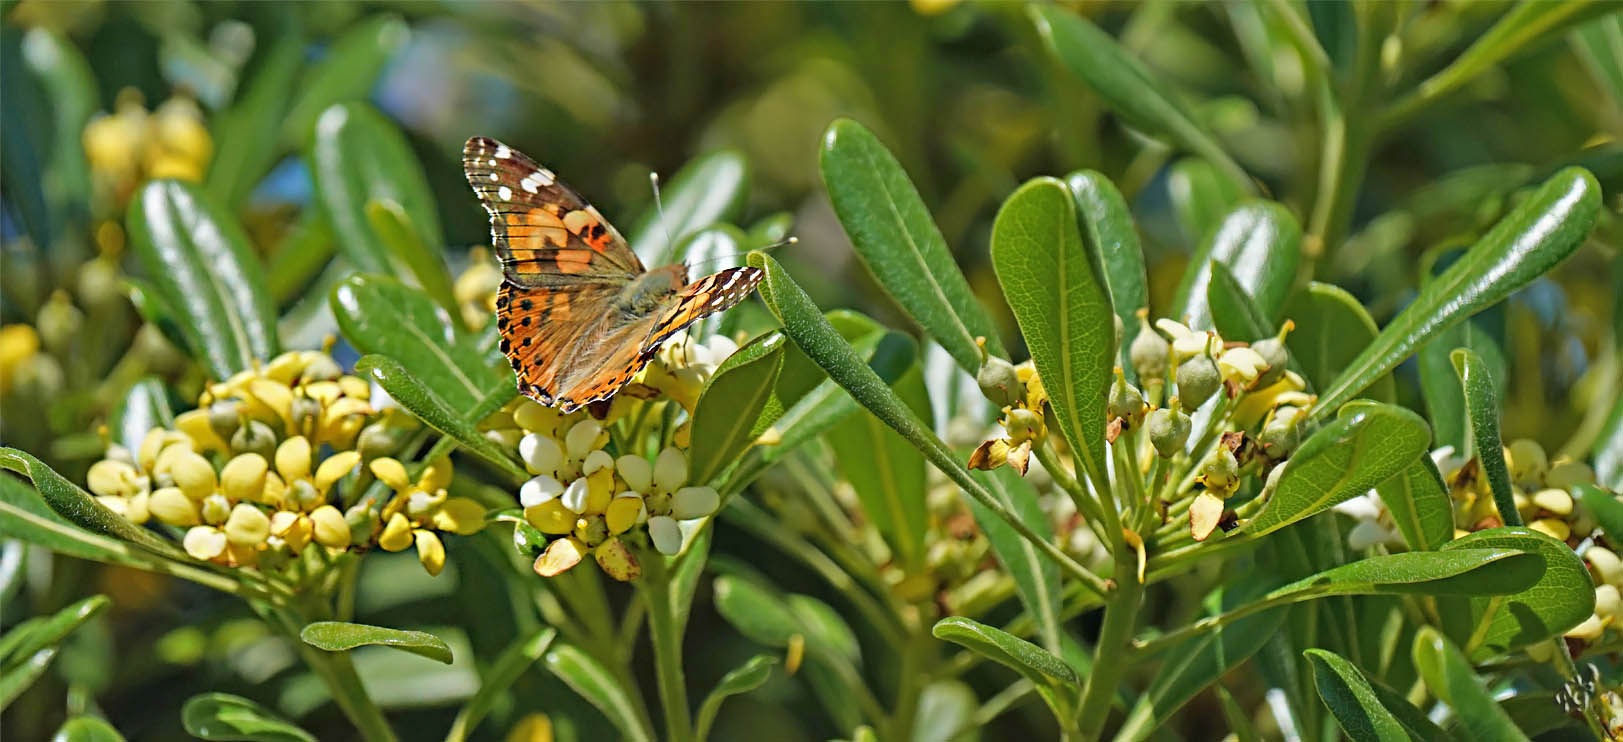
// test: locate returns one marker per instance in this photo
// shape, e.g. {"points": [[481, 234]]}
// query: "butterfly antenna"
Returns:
{"points": [[670, 241], [725, 256]]}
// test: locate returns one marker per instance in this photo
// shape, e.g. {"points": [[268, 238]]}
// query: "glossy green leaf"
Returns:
{"points": [[1414, 721], [1606, 507], [1538, 713], [1352, 700], [200, 263], [757, 612], [156, 311], [1482, 414], [87, 729], [1061, 305], [1112, 238], [52, 631], [1562, 598], [900, 244], [888, 474], [1128, 86], [1238, 720], [398, 233], [1345, 458], [946, 709], [729, 414], [1235, 315], [20, 678], [1195, 664], [299, 258], [433, 409], [740, 680], [339, 636], [246, 134], [1420, 505], [227, 718], [1201, 196], [347, 72], [1331, 328], [1474, 571], [358, 156], [380, 315], [1056, 682], [144, 407], [25, 516], [1260, 243], [1450, 678], [1542, 231], [1036, 580], [1440, 385], [499, 680], [78, 507], [826, 404], [1608, 449], [710, 189]]}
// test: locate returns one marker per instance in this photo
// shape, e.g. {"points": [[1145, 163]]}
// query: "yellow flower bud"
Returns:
{"points": [[617, 560], [334, 469], [1589, 630], [204, 542], [1606, 564], [355, 387], [534, 727], [195, 424], [461, 516], [286, 367], [325, 392], [1556, 529], [136, 507], [623, 512], [331, 530], [170, 505], [396, 534], [291, 527], [111, 478], [551, 517], [1553, 500], [560, 555], [247, 526], [274, 493], [243, 477], [192, 474], [437, 475], [1608, 603], [430, 551], [277, 398], [390, 472], [293, 458], [535, 418], [147, 454]]}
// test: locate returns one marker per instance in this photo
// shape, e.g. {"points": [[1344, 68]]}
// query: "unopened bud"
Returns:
{"points": [[1126, 403], [1274, 352], [1198, 379], [1168, 429], [1149, 353], [999, 382], [254, 437], [1282, 434]]}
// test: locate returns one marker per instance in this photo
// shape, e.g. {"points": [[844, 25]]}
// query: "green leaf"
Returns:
{"points": [[827, 634], [900, 244], [433, 409], [78, 507], [68, 83], [1347, 457], [1129, 87], [397, 231], [710, 189], [1600, 46], [1063, 310], [729, 414], [87, 729], [888, 475], [947, 708], [740, 680], [1352, 700], [1056, 682], [52, 631], [1201, 195], [1560, 600], [22, 677], [1331, 328], [144, 407], [1478, 571], [1234, 313], [25, 516], [758, 613], [889, 354], [1451, 680], [498, 680], [1036, 580], [347, 72], [1531, 240], [201, 265], [595, 683], [1482, 412], [1195, 664], [357, 157], [1111, 237], [246, 134], [380, 315], [1260, 243], [339, 636], [1440, 385], [155, 310], [1414, 721], [1608, 449], [224, 717], [26, 139], [1606, 507], [1420, 505]]}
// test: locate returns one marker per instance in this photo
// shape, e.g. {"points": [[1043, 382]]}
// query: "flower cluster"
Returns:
{"points": [[581, 499], [132, 144], [255, 474], [1020, 392]]}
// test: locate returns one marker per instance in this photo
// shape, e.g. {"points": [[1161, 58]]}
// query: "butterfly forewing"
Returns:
{"points": [[702, 298]]}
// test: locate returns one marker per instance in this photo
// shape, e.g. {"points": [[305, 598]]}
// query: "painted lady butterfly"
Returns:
{"points": [[577, 312]]}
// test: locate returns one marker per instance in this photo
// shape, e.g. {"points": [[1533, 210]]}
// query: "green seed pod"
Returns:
{"points": [[1274, 352], [304, 494], [999, 382], [1198, 379], [1149, 353], [255, 437], [381, 439], [363, 522], [306, 416], [1126, 402], [98, 284], [1221, 473], [225, 416], [1023, 424], [1168, 430]]}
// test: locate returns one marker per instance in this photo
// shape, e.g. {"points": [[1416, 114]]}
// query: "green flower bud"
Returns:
{"points": [[999, 382], [98, 284], [1274, 352], [1126, 402], [380, 439], [592, 529], [1023, 425], [225, 416], [306, 416], [304, 494], [1221, 473], [1149, 353], [1168, 430], [363, 523], [59, 323], [1282, 434], [1198, 379], [254, 437]]}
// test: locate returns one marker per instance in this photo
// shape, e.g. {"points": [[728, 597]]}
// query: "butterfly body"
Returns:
{"points": [[578, 313]]}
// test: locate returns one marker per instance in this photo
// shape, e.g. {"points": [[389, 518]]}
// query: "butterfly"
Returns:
{"points": [[577, 312]]}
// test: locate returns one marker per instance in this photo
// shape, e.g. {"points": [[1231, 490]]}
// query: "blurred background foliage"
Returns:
{"points": [[99, 96]]}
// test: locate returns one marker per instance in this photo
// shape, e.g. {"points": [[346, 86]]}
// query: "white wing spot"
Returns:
{"points": [[505, 193], [495, 177], [493, 163], [544, 176], [502, 153], [530, 185]]}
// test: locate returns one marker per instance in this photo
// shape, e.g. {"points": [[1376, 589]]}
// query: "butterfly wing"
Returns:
{"points": [[700, 299], [544, 233]]}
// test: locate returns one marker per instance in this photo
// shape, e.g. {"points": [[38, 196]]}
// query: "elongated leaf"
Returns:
{"points": [[1260, 243], [710, 189], [199, 261], [358, 157], [1331, 327], [224, 717], [144, 407], [78, 507], [1600, 45], [1056, 682], [946, 709], [1415, 722], [1482, 412], [1490, 626], [742, 679], [1347, 457], [399, 234], [900, 244], [498, 680], [888, 474], [1128, 86], [1420, 506], [1201, 196], [348, 72], [1036, 580], [1476, 571], [25, 516], [1111, 237], [1605, 506], [1440, 384], [339, 636], [1608, 449], [1235, 315], [1063, 310], [247, 133], [380, 315], [16, 680], [757, 612], [1195, 664], [67, 81], [1531, 240], [1350, 697], [413, 395], [156, 311], [1451, 680], [826, 632], [87, 729], [728, 416], [54, 630]]}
